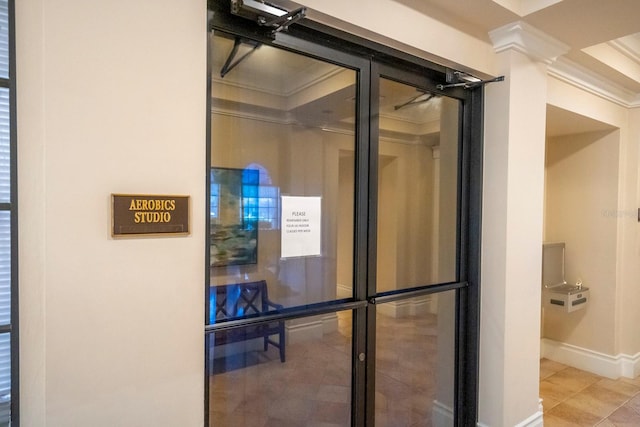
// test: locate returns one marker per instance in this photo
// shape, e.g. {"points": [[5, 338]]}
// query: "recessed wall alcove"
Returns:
{"points": [[581, 210]]}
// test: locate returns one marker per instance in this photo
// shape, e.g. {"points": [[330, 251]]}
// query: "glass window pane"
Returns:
{"points": [[4, 38], [283, 123], [5, 379], [5, 154], [249, 386], [415, 360], [417, 188], [5, 221], [5, 268]]}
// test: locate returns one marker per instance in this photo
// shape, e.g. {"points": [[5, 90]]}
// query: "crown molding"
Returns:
{"points": [[526, 39], [272, 90], [624, 48], [539, 46], [576, 75]]}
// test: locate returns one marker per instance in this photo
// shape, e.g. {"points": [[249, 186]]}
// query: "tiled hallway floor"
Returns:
{"points": [[313, 387], [572, 397]]}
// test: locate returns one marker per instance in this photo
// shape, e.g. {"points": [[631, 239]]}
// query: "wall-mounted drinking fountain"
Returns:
{"points": [[556, 291]]}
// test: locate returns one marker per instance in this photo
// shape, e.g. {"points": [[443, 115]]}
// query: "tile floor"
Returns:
{"points": [[313, 387], [572, 397]]}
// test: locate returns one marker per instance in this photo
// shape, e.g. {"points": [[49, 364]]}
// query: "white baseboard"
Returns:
{"points": [[409, 307], [343, 291], [622, 365], [535, 420], [329, 323], [442, 415], [310, 329], [630, 365], [226, 350]]}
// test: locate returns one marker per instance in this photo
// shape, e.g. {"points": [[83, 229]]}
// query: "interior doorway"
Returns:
{"points": [[343, 286]]}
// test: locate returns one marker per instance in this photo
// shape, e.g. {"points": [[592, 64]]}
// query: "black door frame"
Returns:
{"points": [[369, 59]]}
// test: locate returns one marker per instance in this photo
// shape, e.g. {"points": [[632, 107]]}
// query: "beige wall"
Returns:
{"points": [[447, 183], [581, 209], [111, 99], [417, 30], [387, 243], [345, 224], [405, 211]]}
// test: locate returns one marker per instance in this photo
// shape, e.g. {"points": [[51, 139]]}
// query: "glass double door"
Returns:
{"points": [[334, 248]]}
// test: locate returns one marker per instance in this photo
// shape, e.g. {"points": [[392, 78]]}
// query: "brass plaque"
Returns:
{"points": [[135, 214]]}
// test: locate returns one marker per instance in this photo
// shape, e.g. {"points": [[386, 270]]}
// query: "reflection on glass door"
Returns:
{"points": [[415, 355], [281, 211], [252, 387], [339, 282], [282, 129], [417, 241], [417, 187]]}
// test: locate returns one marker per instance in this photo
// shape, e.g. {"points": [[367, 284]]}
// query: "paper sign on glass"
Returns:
{"points": [[301, 220]]}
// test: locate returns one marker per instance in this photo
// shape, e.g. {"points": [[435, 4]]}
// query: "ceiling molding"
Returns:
{"points": [[261, 117], [526, 39], [583, 78], [536, 44], [525, 7], [625, 49], [273, 90]]}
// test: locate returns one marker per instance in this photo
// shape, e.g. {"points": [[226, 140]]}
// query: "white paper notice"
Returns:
{"points": [[301, 220]]}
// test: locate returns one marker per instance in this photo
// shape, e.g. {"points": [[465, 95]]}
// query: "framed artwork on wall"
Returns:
{"points": [[233, 216]]}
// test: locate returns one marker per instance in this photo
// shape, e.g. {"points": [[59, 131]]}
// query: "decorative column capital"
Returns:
{"points": [[528, 40]]}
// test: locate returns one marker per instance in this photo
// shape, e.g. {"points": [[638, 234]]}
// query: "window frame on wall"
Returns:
{"points": [[9, 83]]}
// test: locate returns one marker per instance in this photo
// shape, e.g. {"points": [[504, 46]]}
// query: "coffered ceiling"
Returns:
{"points": [[272, 84], [603, 36]]}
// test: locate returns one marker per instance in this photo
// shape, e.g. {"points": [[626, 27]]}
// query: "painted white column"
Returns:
{"points": [[515, 112], [628, 294]]}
